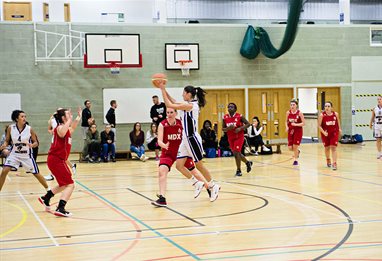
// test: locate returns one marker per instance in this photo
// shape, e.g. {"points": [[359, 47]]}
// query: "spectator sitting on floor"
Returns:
{"points": [[92, 145], [152, 139], [137, 138], [210, 142], [107, 142]]}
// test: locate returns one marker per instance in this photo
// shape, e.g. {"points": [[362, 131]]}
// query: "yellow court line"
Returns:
{"points": [[24, 218]]}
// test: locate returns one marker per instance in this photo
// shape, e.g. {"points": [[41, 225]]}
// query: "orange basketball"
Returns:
{"points": [[158, 79]]}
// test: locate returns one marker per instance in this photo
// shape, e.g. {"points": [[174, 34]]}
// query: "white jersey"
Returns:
{"points": [[190, 120], [20, 141], [378, 116]]}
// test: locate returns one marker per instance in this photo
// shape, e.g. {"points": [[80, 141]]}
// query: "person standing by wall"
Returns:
{"points": [[87, 118], [294, 122], [110, 117], [330, 128], [376, 124], [234, 125], [158, 110]]}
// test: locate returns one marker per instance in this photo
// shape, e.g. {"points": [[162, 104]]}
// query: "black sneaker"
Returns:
{"points": [[160, 202], [238, 173], [61, 212], [249, 166], [113, 159], [45, 203], [105, 160]]}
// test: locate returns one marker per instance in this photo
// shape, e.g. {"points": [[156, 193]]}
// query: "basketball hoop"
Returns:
{"points": [[184, 66], [114, 68]]}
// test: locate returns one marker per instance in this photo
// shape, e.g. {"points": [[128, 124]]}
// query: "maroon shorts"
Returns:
{"points": [[60, 170], [169, 161], [330, 140], [294, 137], [236, 143]]}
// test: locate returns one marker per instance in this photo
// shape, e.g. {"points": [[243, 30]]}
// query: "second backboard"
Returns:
{"points": [[176, 52]]}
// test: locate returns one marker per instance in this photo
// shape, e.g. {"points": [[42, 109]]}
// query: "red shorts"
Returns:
{"points": [[330, 140], [60, 170], [294, 137], [169, 161], [236, 143]]}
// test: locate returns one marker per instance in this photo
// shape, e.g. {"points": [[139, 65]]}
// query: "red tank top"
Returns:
{"points": [[329, 122], [235, 120], [60, 147], [173, 135], [294, 118]]}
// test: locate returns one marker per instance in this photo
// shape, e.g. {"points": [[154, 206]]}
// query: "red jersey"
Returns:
{"points": [[294, 117], [173, 135], [235, 120], [329, 122], [60, 147]]}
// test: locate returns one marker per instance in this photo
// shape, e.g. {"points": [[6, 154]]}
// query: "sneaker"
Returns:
{"points": [[209, 192], [198, 188], [74, 169], [160, 202], [91, 160], [214, 192], [249, 166], [295, 163], [256, 153], [105, 160], [45, 203], [62, 213], [334, 166], [328, 163], [113, 159], [253, 151], [379, 156], [265, 148], [143, 158], [238, 173], [156, 158], [49, 177]]}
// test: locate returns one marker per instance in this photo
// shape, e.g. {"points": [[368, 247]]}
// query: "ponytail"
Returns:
{"points": [[198, 92], [59, 114]]}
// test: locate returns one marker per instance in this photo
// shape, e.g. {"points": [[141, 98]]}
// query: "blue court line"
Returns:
{"points": [[291, 252], [140, 222]]}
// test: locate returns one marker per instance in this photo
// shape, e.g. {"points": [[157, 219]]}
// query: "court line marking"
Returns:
{"points": [[39, 220], [22, 221], [141, 222]]}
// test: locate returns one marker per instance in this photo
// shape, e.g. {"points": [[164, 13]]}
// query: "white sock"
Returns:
{"points": [[211, 183], [48, 189], [193, 180]]}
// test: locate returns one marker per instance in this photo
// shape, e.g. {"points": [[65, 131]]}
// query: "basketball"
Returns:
{"points": [[157, 79]]}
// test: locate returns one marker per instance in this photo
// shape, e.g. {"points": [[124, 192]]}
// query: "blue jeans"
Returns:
{"points": [[139, 150], [106, 147]]}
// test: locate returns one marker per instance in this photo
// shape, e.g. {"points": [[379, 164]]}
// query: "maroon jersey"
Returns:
{"points": [[235, 120], [329, 122], [173, 135], [294, 117], [60, 147]]}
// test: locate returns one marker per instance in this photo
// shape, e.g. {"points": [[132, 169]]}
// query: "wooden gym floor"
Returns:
{"points": [[277, 212]]}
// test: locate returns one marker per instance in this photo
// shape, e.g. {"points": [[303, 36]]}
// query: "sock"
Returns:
{"points": [[49, 194], [61, 204], [193, 180], [48, 189], [211, 184]]}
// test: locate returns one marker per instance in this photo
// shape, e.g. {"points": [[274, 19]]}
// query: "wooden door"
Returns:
{"points": [[45, 11], [17, 11], [67, 12], [332, 94], [216, 107], [270, 105]]}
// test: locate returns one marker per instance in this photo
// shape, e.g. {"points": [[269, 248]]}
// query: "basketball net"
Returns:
{"points": [[114, 68], [184, 66]]}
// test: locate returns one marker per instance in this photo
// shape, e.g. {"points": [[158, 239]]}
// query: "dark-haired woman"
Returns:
{"points": [[23, 139], [191, 146], [294, 122], [209, 139], [137, 138], [254, 136], [57, 157]]}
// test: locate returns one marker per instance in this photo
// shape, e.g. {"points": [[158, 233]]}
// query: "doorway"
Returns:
{"points": [[45, 11], [216, 107], [17, 11], [67, 12], [270, 105]]}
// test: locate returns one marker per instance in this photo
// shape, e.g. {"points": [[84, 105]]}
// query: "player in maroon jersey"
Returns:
{"points": [[330, 128], [294, 122], [234, 125], [57, 156], [169, 139]]}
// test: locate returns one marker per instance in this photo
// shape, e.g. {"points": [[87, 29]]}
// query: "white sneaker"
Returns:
{"points": [[198, 188], [49, 177], [379, 155], [214, 192], [74, 169], [265, 148], [143, 158]]}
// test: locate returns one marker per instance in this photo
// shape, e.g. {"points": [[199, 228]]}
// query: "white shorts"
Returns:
{"points": [[191, 147], [28, 163], [377, 130]]}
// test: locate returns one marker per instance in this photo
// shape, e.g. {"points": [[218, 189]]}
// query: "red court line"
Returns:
{"points": [[269, 248], [136, 226]]}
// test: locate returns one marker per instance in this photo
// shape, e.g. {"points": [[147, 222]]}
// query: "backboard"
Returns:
{"points": [[103, 49], [176, 52]]}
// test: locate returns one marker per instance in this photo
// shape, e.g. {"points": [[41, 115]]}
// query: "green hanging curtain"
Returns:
{"points": [[256, 40]]}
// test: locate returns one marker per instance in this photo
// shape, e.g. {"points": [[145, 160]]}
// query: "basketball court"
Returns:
{"points": [[277, 212]]}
